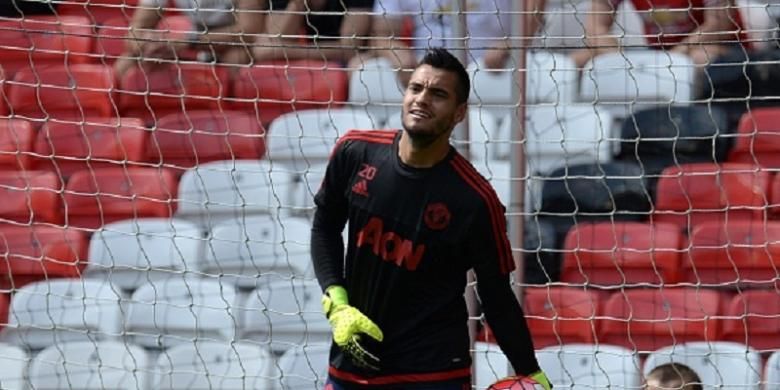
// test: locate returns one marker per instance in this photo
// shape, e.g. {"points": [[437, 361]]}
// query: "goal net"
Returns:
{"points": [[159, 159]]}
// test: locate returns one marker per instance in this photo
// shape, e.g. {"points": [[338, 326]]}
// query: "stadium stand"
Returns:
{"points": [[33, 42], [31, 196], [97, 143], [757, 139], [752, 318], [562, 315], [17, 137]]}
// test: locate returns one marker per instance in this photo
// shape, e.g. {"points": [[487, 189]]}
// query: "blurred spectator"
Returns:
{"points": [[673, 376], [488, 27], [314, 29], [221, 28], [702, 29], [20, 8]]}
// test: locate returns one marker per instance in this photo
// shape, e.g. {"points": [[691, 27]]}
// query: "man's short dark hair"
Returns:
{"points": [[676, 376], [440, 58]]}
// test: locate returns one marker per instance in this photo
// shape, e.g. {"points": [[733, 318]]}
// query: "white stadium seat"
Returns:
{"points": [[591, 367], [374, 89], [244, 251], [301, 138], [303, 367], [13, 361], [626, 81], [133, 252], [61, 310], [222, 190], [305, 184], [772, 372], [719, 365], [285, 313], [490, 364], [90, 365], [214, 365], [173, 312]]}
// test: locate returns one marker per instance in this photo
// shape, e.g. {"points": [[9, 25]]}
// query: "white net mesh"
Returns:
{"points": [[158, 161]]}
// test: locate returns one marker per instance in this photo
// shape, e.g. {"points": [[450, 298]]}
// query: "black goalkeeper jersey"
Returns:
{"points": [[412, 236]]}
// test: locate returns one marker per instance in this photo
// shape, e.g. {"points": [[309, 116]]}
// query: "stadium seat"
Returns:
{"points": [[753, 318], [181, 311], [14, 362], [137, 251], [215, 365], [16, 143], [645, 320], [664, 136], [36, 252], [4, 303], [590, 366], [185, 140], [100, 11], [96, 197], [284, 313], [718, 364], [489, 364], [303, 367], [559, 136], [631, 79], [302, 137], [67, 147], [772, 372], [246, 250], [758, 138], [72, 92], [305, 184], [561, 315], [744, 253], [691, 194], [271, 89], [375, 89], [593, 192], [622, 253], [31, 196], [215, 191], [91, 365], [172, 88], [51, 312], [38, 41]]}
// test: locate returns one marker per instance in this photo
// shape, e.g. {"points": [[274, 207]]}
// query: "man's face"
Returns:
{"points": [[430, 107]]}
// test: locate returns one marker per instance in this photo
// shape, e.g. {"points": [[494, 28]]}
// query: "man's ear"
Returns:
{"points": [[460, 112]]}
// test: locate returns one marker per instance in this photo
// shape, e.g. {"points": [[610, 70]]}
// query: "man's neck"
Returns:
{"points": [[422, 156]]}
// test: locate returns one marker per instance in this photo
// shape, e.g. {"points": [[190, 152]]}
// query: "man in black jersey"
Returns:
{"points": [[420, 216]]}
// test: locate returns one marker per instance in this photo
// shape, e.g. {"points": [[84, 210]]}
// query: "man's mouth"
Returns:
{"points": [[421, 114]]}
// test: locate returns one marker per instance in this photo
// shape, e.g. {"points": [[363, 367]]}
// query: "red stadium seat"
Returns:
{"points": [[274, 88], [32, 253], [619, 253], [559, 315], [97, 197], [774, 206], [16, 144], [63, 92], [645, 320], [187, 139], [744, 252], [758, 138], [5, 303], [753, 318], [99, 11], [171, 88], [31, 196], [694, 193], [44, 40], [112, 36], [3, 98], [99, 143]]}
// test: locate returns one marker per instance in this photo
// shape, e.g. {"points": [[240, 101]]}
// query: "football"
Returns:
{"points": [[516, 383]]}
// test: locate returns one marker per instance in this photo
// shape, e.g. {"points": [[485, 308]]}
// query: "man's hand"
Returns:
{"points": [[349, 325]]}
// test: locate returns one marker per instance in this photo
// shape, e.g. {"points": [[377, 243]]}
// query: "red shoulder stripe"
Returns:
{"points": [[483, 188], [372, 136]]}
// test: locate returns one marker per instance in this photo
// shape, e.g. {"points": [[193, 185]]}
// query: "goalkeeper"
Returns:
{"points": [[420, 217]]}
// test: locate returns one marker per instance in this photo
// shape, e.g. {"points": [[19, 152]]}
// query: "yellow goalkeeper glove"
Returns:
{"points": [[349, 324], [541, 377]]}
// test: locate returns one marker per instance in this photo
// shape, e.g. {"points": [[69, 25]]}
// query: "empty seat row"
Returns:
{"points": [[643, 320]]}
